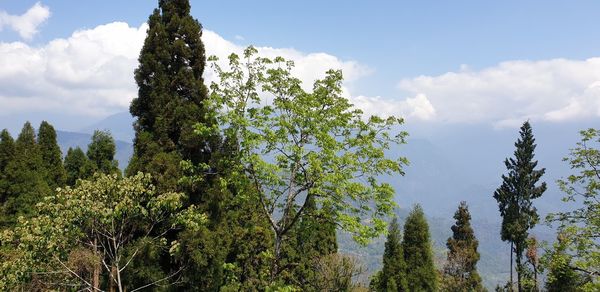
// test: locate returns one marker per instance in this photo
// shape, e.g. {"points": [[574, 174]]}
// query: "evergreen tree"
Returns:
{"points": [[101, 153], [393, 274], [418, 255], [51, 156], [7, 153], [170, 95], [515, 196], [315, 238], [460, 272], [77, 166], [25, 178]]}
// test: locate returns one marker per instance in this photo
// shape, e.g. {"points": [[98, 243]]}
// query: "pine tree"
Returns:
{"points": [[170, 95], [25, 178], [418, 255], [77, 166], [460, 271], [394, 271], [515, 196], [7, 153], [101, 153], [51, 156]]}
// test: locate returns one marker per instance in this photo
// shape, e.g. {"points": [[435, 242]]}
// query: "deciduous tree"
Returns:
{"points": [[303, 146]]}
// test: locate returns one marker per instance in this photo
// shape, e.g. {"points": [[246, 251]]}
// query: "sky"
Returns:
{"points": [[439, 64]]}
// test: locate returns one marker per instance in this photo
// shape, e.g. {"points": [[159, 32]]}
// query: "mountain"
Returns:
{"points": [[73, 139], [120, 126]]}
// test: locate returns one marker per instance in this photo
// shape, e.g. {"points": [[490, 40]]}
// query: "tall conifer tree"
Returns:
{"points": [[516, 194], [169, 104], [460, 271], [25, 178], [170, 95], [393, 275], [51, 156], [418, 255], [7, 153]]}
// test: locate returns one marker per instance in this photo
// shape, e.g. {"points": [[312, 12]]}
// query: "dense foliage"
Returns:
{"points": [[460, 271], [421, 274], [575, 257]]}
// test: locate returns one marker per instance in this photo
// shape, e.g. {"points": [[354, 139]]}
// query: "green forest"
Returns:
{"points": [[249, 182]]}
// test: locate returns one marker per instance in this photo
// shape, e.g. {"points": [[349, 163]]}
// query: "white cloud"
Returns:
{"points": [[418, 107], [91, 72], [507, 94], [26, 25]]}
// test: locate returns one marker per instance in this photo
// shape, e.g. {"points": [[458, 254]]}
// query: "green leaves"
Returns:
{"points": [[292, 142], [579, 228], [105, 215]]}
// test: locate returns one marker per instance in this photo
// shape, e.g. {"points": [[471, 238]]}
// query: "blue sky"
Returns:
{"points": [[431, 61]]}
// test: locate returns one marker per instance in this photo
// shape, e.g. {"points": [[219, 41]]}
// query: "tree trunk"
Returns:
{"points": [[535, 283], [511, 266], [519, 267], [275, 267], [113, 279], [97, 267]]}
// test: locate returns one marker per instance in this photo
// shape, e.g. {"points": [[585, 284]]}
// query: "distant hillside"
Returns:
{"points": [[72, 139], [120, 125]]}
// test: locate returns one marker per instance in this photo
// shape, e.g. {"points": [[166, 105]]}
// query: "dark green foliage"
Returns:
{"points": [[460, 272], [314, 238], [77, 166], [101, 153], [170, 95], [516, 193], [24, 177], [393, 275], [51, 156], [418, 255], [7, 152]]}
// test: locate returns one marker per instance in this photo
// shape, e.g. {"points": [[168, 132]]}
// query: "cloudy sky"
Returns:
{"points": [[436, 63]]}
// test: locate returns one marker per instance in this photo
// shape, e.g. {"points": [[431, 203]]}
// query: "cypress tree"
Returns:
{"points": [[7, 153], [170, 95], [460, 272], [51, 156], [516, 194], [393, 274], [418, 255], [25, 178], [101, 153], [77, 166]]}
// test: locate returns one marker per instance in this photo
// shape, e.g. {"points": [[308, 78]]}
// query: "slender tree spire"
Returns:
{"points": [[516, 194]]}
